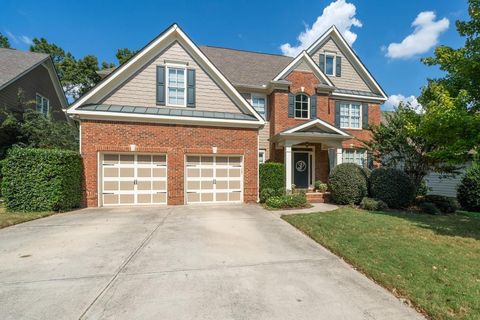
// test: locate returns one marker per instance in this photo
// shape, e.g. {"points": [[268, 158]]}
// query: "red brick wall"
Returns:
{"points": [[175, 141]]}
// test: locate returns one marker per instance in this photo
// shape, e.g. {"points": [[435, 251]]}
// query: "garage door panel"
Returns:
{"points": [[130, 179], [213, 178]]}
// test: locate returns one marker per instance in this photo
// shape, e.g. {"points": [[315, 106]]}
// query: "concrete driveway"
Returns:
{"points": [[185, 262]]}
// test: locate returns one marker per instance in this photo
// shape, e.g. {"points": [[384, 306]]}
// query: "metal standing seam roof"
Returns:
{"points": [[358, 93], [14, 63], [166, 112]]}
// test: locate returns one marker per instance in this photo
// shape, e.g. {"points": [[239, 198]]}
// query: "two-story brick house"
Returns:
{"points": [[180, 124]]}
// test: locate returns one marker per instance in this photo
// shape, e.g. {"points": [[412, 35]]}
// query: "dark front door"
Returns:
{"points": [[301, 166]]}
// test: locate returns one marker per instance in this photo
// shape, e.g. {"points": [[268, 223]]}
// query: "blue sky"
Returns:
{"points": [[100, 27]]}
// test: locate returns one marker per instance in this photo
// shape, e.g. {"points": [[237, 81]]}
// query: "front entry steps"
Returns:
{"points": [[318, 197]]}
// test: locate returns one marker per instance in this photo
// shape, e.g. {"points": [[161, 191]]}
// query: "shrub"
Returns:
{"points": [[422, 189], [272, 175], [373, 204], [429, 208], [320, 186], [267, 193], [42, 179], [348, 184], [392, 186], [296, 200], [468, 192], [444, 204]]}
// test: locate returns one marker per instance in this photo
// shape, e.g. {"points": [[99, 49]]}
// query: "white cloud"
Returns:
{"points": [[339, 13], [19, 38], [424, 37], [395, 99]]}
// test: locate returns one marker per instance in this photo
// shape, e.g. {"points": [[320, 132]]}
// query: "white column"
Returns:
{"points": [[288, 167], [339, 156]]}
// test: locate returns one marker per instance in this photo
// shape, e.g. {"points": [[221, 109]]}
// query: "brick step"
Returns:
{"points": [[317, 197]]}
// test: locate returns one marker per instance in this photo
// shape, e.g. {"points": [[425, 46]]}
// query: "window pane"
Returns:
{"points": [[258, 104], [301, 106], [329, 65], [176, 86]]}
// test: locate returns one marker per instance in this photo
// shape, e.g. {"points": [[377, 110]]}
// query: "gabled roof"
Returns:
{"points": [[325, 127], [348, 51], [304, 57], [15, 63], [173, 33], [246, 68]]}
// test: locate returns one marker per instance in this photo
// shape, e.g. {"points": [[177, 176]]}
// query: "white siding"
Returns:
{"points": [[442, 185], [350, 79], [140, 89]]}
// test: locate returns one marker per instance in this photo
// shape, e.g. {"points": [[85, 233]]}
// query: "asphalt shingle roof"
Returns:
{"points": [[13, 63], [246, 67]]}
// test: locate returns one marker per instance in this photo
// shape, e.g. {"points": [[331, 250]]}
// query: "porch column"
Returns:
{"points": [[288, 167], [339, 158]]}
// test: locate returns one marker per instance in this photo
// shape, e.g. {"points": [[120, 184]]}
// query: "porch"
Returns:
{"points": [[309, 151]]}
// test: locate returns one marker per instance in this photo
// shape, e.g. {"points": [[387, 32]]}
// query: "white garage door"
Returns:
{"points": [[214, 179], [129, 179]]}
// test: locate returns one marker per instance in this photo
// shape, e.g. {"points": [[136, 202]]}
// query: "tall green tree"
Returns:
{"points": [[124, 54], [4, 42], [452, 103]]}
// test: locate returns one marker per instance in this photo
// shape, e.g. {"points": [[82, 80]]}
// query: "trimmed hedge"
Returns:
{"points": [[392, 186], [348, 184], [289, 201], [272, 176], [42, 179], [468, 192], [373, 204]]}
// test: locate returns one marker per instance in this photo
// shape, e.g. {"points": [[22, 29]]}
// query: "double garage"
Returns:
{"points": [[142, 179]]}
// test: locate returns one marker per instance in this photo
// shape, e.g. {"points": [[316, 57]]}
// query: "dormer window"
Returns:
{"points": [[302, 107]]}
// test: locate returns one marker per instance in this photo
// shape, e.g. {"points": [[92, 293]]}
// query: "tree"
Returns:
{"points": [[124, 54], [4, 42], [452, 103], [402, 142]]}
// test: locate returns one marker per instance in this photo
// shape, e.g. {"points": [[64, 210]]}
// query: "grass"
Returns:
{"points": [[434, 261], [10, 218]]}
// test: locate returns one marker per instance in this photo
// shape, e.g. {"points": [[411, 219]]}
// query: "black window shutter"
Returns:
{"points": [[321, 63], [161, 85], [338, 68], [365, 115], [291, 103], [337, 114], [191, 88], [313, 107]]}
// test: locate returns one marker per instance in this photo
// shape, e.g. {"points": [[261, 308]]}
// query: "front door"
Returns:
{"points": [[301, 169]]}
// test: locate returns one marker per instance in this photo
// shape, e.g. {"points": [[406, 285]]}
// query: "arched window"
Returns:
{"points": [[302, 106]]}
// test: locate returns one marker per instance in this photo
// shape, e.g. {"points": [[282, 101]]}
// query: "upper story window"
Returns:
{"points": [[357, 156], [42, 104], [329, 65], [302, 106], [259, 103], [261, 156], [350, 115], [176, 93]]}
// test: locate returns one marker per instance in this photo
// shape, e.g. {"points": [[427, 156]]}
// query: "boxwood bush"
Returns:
{"points": [[42, 179], [442, 203], [392, 186], [373, 204], [468, 191], [348, 184], [272, 175]]}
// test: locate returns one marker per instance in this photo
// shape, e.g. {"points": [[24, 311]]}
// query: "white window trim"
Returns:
{"points": [[176, 66], [334, 67], [349, 115], [356, 152], [42, 98], [259, 95], [295, 106], [261, 155]]}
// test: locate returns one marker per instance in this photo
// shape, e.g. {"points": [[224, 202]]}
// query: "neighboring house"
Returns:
{"points": [[33, 76], [182, 124]]}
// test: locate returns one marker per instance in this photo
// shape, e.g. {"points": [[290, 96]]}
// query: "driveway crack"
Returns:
{"points": [[124, 264]]}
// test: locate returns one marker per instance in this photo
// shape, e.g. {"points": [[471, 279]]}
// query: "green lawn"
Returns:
{"points": [[11, 218], [434, 261]]}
